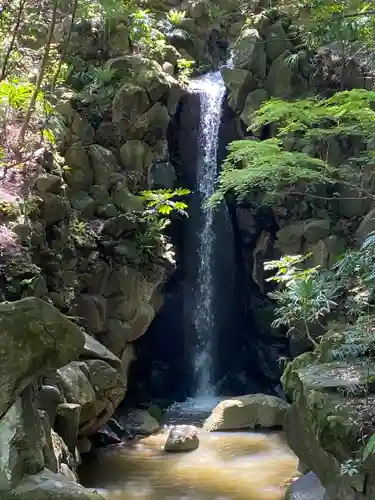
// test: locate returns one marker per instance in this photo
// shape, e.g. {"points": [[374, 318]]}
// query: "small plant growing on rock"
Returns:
{"points": [[160, 205], [185, 70], [175, 17]]}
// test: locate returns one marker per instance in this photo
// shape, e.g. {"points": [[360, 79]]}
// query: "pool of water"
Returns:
{"points": [[226, 466]]}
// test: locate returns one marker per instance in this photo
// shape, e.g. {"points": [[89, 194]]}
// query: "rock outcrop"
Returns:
{"points": [[247, 412], [330, 416]]}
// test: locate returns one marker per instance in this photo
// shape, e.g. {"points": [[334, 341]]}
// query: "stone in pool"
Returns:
{"points": [[182, 438], [247, 412]]}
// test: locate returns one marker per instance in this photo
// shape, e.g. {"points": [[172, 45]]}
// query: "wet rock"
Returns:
{"points": [[119, 225], [46, 485], [105, 437], [307, 487], [255, 410], [182, 438]]}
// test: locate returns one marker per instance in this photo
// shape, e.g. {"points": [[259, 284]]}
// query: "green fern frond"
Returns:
{"points": [[264, 167]]}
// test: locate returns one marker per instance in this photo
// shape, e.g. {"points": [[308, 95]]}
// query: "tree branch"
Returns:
{"points": [[13, 39]]}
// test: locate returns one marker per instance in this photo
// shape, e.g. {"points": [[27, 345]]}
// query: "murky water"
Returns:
{"points": [[226, 466]]}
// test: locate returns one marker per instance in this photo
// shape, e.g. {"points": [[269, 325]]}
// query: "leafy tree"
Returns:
{"points": [[299, 158]]}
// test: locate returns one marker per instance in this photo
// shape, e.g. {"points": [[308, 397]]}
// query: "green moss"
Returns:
{"points": [[289, 379]]}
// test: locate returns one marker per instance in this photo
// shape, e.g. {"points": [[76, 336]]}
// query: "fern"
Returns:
{"points": [[345, 111], [264, 168], [175, 17]]}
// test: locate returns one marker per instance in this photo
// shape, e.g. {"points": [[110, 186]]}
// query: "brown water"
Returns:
{"points": [[226, 466]]}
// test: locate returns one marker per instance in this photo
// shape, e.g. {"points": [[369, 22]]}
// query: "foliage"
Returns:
{"points": [[300, 154], [185, 70], [263, 170], [308, 295], [321, 22], [347, 113], [161, 201], [175, 17]]}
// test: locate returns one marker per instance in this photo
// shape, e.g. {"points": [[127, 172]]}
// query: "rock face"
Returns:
{"points": [[182, 438], [35, 338], [329, 411], [247, 412]]}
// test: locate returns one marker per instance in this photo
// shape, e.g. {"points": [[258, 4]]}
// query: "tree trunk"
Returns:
{"points": [[66, 46], [13, 40], [42, 69]]}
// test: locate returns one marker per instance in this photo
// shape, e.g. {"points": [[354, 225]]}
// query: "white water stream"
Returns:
{"points": [[211, 89]]}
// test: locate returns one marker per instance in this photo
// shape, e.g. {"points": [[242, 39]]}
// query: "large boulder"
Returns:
{"points": [[145, 73], [239, 83], [247, 412], [182, 438], [324, 425], [249, 53], [35, 338], [129, 103], [96, 384]]}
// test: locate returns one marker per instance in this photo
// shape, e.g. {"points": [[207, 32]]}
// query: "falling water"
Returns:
{"points": [[211, 90]]}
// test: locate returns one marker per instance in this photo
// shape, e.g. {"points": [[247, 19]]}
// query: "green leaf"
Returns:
{"points": [[369, 448]]}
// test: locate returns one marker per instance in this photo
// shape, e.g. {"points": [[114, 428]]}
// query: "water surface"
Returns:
{"points": [[226, 466]]}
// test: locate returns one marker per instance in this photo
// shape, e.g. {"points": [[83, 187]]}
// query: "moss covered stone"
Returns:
{"points": [[35, 338]]}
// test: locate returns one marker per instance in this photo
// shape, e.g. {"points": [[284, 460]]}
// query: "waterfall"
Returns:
{"points": [[210, 89]]}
